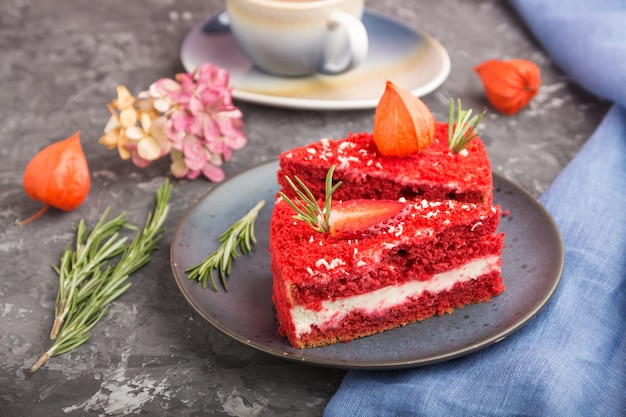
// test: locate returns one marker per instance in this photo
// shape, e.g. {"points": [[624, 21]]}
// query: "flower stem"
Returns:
{"points": [[33, 217]]}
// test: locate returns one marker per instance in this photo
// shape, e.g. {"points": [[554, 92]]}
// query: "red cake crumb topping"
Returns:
{"points": [[364, 170]]}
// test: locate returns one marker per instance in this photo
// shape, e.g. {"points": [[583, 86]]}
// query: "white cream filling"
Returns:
{"points": [[332, 312]]}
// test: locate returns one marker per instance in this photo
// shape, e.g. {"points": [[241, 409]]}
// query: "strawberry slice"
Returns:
{"points": [[359, 218]]}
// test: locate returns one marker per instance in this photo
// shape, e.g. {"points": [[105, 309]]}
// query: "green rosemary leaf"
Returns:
{"points": [[462, 130], [330, 189], [238, 239], [88, 283], [306, 206], [72, 343]]}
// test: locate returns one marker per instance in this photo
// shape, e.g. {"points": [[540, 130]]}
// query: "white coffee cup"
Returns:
{"points": [[300, 37]]}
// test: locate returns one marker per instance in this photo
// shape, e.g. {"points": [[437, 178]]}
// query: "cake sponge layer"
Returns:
{"points": [[434, 237]]}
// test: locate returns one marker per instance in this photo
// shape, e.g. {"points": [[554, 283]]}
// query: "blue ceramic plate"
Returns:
{"points": [[532, 266], [413, 60]]}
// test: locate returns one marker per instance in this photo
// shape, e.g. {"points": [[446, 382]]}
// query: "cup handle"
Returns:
{"points": [[340, 56]]}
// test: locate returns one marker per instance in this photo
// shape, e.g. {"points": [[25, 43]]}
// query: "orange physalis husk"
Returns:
{"points": [[403, 125], [509, 85], [58, 176]]}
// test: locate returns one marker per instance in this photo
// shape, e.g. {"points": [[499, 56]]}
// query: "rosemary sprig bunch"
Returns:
{"points": [[307, 208], [77, 266], [87, 283], [464, 127], [238, 236]]}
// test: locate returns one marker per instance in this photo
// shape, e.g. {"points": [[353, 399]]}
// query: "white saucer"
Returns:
{"points": [[413, 60]]}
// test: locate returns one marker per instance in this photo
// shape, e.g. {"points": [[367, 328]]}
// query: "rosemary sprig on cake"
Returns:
{"points": [[462, 128], [238, 236], [307, 207], [87, 283]]}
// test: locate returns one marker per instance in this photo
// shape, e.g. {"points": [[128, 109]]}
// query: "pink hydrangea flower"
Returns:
{"points": [[193, 119]]}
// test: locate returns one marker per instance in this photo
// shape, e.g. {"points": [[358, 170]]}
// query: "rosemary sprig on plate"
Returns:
{"points": [[239, 236], [307, 208], [463, 130], [87, 285]]}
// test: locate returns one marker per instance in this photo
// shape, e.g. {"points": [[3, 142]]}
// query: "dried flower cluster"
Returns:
{"points": [[192, 118]]}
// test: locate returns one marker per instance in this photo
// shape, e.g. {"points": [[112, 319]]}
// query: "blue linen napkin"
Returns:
{"points": [[570, 360]]}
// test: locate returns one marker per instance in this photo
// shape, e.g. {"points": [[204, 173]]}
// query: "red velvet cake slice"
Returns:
{"points": [[435, 173], [409, 234], [431, 259]]}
